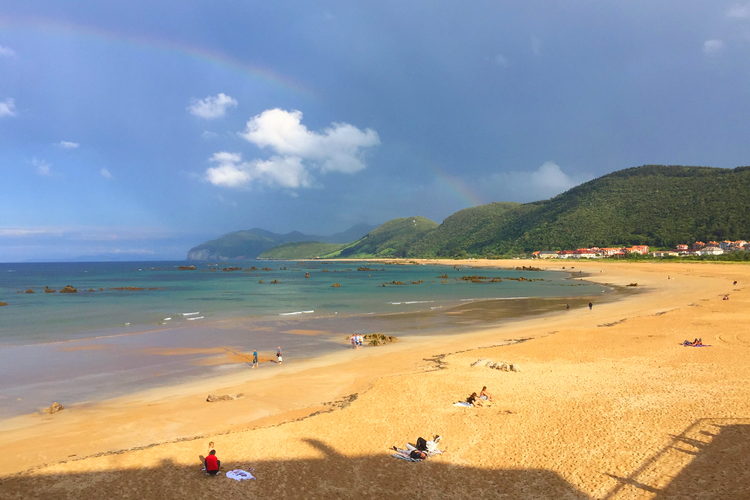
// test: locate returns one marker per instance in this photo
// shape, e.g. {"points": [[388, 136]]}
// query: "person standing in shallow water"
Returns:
{"points": [[255, 358], [590, 305], [278, 355]]}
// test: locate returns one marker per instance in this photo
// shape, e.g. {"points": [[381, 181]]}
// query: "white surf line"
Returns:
{"points": [[191, 314], [193, 318], [497, 298], [295, 313]]}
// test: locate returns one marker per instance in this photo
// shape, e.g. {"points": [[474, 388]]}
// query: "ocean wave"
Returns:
{"points": [[407, 302], [193, 318], [495, 298], [191, 314], [295, 313]]}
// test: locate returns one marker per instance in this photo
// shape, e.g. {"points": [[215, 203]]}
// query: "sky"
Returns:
{"points": [[137, 129]]}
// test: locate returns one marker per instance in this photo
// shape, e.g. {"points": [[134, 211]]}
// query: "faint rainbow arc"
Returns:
{"points": [[457, 186], [196, 52]]}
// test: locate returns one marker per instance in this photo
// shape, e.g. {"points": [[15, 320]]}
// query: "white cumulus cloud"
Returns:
{"points": [[212, 106], [42, 167], [739, 11], [550, 178], [8, 107], [544, 182], [6, 51], [297, 153], [68, 144], [231, 171], [713, 47], [105, 173]]}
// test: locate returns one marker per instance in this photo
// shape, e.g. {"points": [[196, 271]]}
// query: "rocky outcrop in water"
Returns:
{"points": [[54, 408]]}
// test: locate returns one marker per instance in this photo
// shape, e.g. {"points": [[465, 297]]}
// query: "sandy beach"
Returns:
{"points": [[606, 404]]}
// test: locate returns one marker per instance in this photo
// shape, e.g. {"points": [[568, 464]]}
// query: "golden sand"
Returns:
{"points": [[606, 404]]}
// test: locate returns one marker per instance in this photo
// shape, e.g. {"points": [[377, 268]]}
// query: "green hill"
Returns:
{"points": [[250, 243], [392, 239], [654, 205], [467, 231], [301, 250]]}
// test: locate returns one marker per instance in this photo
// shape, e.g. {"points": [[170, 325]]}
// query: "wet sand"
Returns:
{"points": [[606, 404]]}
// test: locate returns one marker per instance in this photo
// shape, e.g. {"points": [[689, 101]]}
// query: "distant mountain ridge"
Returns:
{"points": [[653, 204], [657, 205], [250, 243]]}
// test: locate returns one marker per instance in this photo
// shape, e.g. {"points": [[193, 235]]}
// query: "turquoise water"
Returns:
{"points": [[92, 345], [216, 294]]}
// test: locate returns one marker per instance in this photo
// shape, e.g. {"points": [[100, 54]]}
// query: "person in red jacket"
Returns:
{"points": [[212, 463]]}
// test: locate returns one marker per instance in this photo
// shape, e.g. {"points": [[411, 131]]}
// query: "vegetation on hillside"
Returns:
{"points": [[654, 205], [392, 239], [301, 250]]}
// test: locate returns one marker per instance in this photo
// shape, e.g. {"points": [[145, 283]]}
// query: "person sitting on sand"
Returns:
{"points": [[212, 463], [485, 395], [474, 400], [698, 342]]}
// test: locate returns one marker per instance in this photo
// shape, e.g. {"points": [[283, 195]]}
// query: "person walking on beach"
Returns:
{"points": [[278, 355], [255, 358], [590, 305]]}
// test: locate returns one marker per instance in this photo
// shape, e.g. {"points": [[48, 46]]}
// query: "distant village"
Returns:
{"points": [[698, 248]]}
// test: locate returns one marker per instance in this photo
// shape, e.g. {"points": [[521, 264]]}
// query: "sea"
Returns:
{"points": [[137, 325]]}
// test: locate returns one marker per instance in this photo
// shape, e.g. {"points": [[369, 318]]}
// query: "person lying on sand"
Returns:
{"points": [[421, 450], [697, 342]]}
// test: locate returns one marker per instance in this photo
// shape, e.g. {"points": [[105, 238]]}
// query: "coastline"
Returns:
{"points": [[104, 365], [614, 338]]}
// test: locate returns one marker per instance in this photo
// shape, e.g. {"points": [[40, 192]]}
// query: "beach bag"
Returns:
{"points": [[421, 444]]}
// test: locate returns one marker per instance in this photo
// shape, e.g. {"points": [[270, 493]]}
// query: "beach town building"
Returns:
{"points": [[546, 254], [709, 250], [639, 249], [681, 250], [665, 253]]}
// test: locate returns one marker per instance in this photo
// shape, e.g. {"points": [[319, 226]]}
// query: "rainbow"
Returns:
{"points": [[456, 186], [141, 41]]}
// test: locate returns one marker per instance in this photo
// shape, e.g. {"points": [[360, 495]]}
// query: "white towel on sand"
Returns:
{"points": [[239, 475], [463, 403]]}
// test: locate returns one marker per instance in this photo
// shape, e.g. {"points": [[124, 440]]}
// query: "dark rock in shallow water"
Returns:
{"points": [[68, 289], [3, 303], [54, 408]]}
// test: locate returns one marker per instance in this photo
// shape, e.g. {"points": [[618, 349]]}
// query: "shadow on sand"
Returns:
{"points": [[333, 475], [709, 459]]}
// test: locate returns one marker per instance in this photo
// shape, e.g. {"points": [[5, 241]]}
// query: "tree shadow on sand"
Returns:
{"points": [[332, 475]]}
